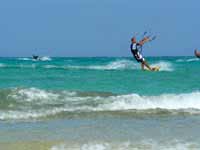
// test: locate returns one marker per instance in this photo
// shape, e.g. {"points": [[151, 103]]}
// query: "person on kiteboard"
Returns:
{"points": [[136, 49]]}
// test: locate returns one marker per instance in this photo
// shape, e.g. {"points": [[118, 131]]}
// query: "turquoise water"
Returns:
{"points": [[101, 103], [115, 75]]}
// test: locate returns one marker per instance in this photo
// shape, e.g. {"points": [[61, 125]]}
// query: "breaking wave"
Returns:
{"points": [[17, 104], [172, 144]]}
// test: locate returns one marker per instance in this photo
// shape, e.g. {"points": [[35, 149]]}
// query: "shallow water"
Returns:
{"points": [[99, 103]]}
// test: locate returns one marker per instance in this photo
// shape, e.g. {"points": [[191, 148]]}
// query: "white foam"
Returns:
{"points": [[164, 66], [188, 60], [180, 60], [130, 145], [102, 146], [124, 65], [24, 59], [121, 102], [165, 101], [89, 146], [45, 58], [192, 59], [118, 65], [33, 94], [182, 102], [115, 65], [39, 96]]}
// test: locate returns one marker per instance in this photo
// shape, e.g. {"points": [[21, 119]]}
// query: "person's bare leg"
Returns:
{"points": [[147, 65], [142, 66]]}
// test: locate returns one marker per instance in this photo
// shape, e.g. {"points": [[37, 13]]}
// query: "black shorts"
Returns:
{"points": [[140, 60], [138, 56]]}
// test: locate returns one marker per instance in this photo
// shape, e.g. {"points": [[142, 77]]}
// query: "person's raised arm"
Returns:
{"points": [[144, 40]]}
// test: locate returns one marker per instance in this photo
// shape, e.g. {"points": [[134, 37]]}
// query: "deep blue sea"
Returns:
{"points": [[99, 103]]}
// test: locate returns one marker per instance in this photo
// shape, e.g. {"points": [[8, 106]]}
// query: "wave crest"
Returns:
{"points": [[37, 103]]}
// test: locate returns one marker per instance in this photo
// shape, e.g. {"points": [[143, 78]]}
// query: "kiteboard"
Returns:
{"points": [[155, 68]]}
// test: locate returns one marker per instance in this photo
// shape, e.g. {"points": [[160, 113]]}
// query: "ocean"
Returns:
{"points": [[99, 103]]}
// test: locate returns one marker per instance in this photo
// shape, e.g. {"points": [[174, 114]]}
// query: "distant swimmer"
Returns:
{"points": [[136, 49], [35, 57]]}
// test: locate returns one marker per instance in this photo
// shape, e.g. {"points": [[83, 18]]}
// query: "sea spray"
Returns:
{"points": [[36, 103]]}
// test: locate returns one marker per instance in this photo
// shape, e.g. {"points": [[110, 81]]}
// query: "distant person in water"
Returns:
{"points": [[136, 48], [35, 57]]}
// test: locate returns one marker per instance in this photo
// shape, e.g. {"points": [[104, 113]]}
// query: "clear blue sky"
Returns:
{"points": [[97, 27]]}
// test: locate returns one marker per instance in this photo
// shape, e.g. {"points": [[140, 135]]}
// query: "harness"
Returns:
{"points": [[136, 52]]}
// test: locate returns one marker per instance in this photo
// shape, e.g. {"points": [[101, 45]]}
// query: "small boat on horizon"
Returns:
{"points": [[197, 53]]}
